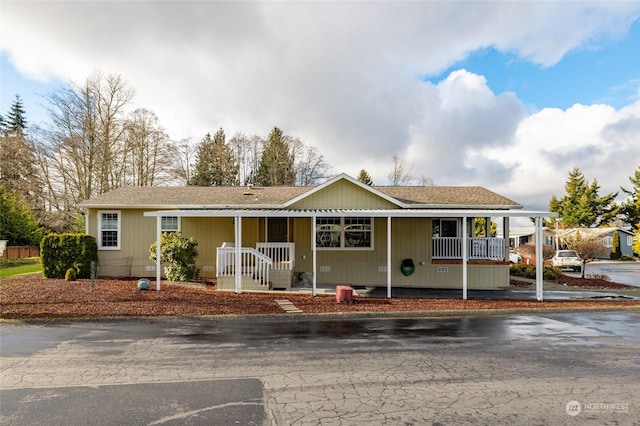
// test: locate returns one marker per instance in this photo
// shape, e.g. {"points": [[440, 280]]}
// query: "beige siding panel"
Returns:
{"points": [[343, 195], [411, 239], [139, 232]]}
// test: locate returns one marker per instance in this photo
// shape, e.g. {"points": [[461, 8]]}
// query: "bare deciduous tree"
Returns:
{"points": [[148, 151], [400, 173], [587, 248]]}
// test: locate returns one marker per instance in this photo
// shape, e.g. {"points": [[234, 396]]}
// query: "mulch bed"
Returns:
{"points": [[35, 297]]}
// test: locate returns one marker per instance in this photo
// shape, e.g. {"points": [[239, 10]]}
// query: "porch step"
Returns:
{"points": [[288, 307]]}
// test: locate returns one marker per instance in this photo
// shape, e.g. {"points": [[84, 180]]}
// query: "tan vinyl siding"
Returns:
{"points": [[343, 195], [411, 239]]}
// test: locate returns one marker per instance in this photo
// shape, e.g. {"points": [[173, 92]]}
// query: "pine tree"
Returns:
{"points": [[365, 178], [630, 208], [277, 164], [215, 162], [581, 205], [615, 246], [636, 239], [16, 122]]}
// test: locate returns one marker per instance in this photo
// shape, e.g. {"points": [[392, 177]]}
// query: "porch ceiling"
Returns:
{"points": [[393, 213]]}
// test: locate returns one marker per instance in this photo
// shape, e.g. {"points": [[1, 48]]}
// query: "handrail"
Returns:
{"points": [[254, 264], [477, 248]]}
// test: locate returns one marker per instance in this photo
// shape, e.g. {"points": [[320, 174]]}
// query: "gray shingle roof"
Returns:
{"points": [[274, 197]]}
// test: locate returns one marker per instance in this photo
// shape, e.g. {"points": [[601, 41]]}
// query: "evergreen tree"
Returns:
{"points": [[277, 164], [615, 246], [581, 205], [215, 162], [365, 178], [630, 208], [18, 171], [16, 122], [18, 225]]}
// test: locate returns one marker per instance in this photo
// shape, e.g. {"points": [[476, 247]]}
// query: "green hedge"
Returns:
{"points": [[529, 271], [59, 252]]}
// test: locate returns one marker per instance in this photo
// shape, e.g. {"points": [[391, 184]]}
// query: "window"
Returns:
{"points": [[607, 241], [109, 230], [629, 240], [445, 228], [344, 232], [169, 224]]}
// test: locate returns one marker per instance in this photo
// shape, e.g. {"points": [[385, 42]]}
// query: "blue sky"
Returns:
{"points": [[608, 71], [513, 95]]}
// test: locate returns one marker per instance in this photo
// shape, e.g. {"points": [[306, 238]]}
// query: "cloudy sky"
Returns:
{"points": [[507, 95]]}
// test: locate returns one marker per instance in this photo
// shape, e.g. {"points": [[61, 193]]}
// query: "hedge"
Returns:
{"points": [[59, 252], [529, 271]]}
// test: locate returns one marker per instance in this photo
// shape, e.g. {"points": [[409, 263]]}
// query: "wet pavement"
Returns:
{"points": [[627, 272], [581, 368]]}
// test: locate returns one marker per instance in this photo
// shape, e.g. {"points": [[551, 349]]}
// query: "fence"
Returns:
{"points": [[19, 252]]}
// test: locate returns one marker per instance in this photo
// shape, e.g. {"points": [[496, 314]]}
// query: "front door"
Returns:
{"points": [[277, 230]]}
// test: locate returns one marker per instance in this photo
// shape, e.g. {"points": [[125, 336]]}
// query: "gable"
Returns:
{"points": [[343, 194]]}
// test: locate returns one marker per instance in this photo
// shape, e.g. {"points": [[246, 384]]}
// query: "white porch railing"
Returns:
{"points": [[477, 248], [254, 264], [283, 255]]}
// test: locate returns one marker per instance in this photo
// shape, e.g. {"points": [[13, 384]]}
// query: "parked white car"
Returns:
{"points": [[567, 259], [514, 257]]}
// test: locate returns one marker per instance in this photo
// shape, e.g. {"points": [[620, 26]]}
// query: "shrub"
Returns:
{"points": [[529, 271], [70, 275], [616, 251], [179, 255], [59, 252]]}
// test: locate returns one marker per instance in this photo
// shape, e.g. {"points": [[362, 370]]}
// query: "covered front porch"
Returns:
{"points": [[274, 265]]}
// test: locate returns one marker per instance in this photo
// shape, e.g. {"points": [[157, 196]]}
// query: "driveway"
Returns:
{"points": [[619, 272], [581, 368]]}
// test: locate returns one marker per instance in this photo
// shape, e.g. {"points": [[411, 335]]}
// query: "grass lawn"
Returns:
{"points": [[23, 266]]}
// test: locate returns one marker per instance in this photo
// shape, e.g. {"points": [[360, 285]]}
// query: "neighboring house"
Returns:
{"points": [[340, 232], [604, 235], [519, 236]]}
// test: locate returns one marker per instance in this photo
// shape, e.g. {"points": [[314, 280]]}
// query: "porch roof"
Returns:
{"points": [[406, 213]]}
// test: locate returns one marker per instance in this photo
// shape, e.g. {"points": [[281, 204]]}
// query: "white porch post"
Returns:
{"points": [[539, 260], [505, 234], [464, 258], [389, 257], [313, 251], [158, 252], [238, 244]]}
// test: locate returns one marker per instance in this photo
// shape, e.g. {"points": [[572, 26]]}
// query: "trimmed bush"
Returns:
{"points": [[70, 275], [59, 252], [529, 271], [179, 254], [616, 250]]}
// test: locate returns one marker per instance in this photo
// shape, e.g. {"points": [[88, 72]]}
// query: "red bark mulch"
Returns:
{"points": [[35, 297]]}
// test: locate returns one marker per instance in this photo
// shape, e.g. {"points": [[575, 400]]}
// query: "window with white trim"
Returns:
{"points": [[629, 240], [169, 224], [109, 230], [344, 233], [607, 241]]}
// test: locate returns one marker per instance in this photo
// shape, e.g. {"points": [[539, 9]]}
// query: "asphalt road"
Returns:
{"points": [[578, 368], [618, 272]]}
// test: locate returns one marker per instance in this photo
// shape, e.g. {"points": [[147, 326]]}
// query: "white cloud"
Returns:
{"points": [[345, 77]]}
